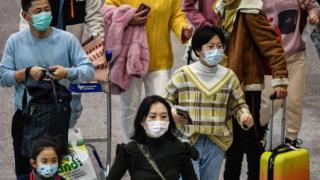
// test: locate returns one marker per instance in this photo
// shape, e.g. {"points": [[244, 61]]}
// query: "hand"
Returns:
{"points": [[313, 18], [59, 72], [247, 120], [187, 31], [138, 18], [36, 73], [177, 118], [281, 92]]}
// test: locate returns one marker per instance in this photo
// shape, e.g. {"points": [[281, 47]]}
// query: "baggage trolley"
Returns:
{"points": [[97, 87]]}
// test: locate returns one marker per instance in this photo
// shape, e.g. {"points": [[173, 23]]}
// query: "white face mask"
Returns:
{"points": [[47, 171], [155, 129], [213, 57]]}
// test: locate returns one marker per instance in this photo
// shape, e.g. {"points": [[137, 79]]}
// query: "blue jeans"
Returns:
{"points": [[76, 109], [208, 166], [315, 37]]}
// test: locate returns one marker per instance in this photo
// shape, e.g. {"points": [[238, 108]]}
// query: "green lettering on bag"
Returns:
{"points": [[69, 166]]}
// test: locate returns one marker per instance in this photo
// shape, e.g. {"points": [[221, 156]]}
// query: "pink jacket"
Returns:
{"points": [[202, 16], [129, 46]]}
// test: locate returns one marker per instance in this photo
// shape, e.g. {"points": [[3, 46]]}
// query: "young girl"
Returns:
{"points": [[210, 93], [46, 156]]}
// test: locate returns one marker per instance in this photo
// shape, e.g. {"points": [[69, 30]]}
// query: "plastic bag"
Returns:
{"points": [[80, 166]]}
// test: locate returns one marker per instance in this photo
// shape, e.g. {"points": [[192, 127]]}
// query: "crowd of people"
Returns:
{"points": [[188, 121]]}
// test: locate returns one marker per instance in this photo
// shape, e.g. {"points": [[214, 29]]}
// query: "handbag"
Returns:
{"points": [[48, 111], [150, 159]]}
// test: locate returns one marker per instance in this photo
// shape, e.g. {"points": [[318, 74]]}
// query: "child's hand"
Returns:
{"points": [[247, 120]]}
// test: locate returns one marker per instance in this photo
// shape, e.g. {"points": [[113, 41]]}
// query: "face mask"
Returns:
{"points": [[41, 21], [47, 170], [157, 128], [213, 57]]}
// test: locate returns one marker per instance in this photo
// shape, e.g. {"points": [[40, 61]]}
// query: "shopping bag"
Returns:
{"points": [[79, 166]]}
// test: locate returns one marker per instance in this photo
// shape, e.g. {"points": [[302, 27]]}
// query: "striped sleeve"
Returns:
{"points": [[171, 91]]}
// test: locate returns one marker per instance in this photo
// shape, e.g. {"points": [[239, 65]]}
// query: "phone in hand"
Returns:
{"points": [[143, 7], [183, 111]]}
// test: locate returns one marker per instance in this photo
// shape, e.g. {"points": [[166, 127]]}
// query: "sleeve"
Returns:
{"points": [[94, 18], [313, 6], [237, 103], [7, 66], [193, 14], [187, 170], [171, 91], [120, 164], [81, 69], [113, 2], [178, 20], [267, 41]]}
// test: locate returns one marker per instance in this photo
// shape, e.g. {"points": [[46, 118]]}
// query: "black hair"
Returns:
{"points": [[203, 35], [143, 111], [26, 4], [58, 143]]}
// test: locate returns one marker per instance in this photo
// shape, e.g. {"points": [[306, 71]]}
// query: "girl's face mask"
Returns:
{"points": [[47, 170], [213, 57]]}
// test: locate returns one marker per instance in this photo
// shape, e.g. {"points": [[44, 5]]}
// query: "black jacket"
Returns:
{"points": [[74, 12]]}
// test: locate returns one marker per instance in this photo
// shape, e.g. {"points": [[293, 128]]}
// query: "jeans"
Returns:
{"points": [[315, 37], [76, 109], [208, 166]]}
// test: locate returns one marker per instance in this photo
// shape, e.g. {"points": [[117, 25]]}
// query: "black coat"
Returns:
{"points": [[69, 18]]}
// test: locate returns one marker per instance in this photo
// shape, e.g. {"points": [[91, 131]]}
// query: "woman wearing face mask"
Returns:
{"points": [[211, 94], [154, 133], [46, 156]]}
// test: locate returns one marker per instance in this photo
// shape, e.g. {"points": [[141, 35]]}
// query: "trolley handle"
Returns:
{"points": [[96, 155]]}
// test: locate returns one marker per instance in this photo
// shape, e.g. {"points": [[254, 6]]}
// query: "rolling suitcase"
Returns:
{"points": [[283, 162]]}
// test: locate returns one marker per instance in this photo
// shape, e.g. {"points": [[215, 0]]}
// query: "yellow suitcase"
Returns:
{"points": [[283, 162]]}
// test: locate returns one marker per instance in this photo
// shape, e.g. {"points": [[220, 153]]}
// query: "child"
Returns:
{"points": [[46, 157], [211, 93]]}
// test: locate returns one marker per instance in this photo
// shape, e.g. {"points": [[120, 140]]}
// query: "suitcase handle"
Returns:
{"points": [[273, 97]]}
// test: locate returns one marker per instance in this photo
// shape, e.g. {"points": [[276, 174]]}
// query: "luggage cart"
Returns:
{"points": [[97, 87]]}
